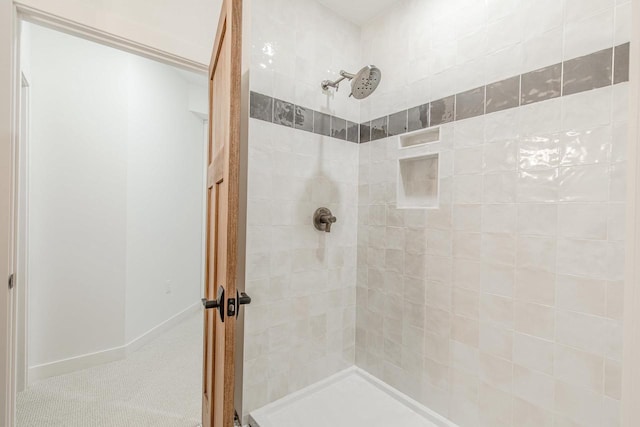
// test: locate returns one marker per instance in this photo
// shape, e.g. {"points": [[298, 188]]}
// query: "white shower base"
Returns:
{"points": [[351, 398]]}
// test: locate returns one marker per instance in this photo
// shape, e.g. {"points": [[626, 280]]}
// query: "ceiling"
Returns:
{"points": [[358, 11]]}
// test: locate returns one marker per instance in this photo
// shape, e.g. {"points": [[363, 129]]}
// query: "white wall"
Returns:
{"points": [[184, 28], [78, 197], [22, 208], [164, 197], [184, 31], [115, 202], [7, 29]]}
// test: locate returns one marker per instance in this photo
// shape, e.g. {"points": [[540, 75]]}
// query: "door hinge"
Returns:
{"points": [[12, 280]]}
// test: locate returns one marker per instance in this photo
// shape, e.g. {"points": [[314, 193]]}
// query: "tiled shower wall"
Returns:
{"points": [[301, 326], [296, 44], [503, 306], [431, 49]]}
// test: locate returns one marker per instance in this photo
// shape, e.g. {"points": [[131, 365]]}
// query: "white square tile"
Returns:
{"points": [[583, 220], [589, 34]]}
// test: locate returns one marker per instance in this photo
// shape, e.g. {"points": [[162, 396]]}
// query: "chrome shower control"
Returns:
{"points": [[322, 219]]}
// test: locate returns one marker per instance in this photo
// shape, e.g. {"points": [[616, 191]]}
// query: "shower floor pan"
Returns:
{"points": [[351, 398]]}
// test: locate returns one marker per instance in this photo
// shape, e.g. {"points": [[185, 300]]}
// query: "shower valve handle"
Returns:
{"points": [[323, 219]]}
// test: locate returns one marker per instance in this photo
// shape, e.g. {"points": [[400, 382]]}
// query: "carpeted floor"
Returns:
{"points": [[159, 385]]}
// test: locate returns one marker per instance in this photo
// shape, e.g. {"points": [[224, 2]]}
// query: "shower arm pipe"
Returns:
{"points": [[326, 84]]}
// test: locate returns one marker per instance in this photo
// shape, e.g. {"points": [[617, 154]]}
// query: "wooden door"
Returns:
{"points": [[222, 219]]}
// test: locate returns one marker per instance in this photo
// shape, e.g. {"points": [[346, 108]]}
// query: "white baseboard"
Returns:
{"points": [[72, 364], [163, 327], [78, 363]]}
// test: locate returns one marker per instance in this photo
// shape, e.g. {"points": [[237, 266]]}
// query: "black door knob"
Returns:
{"points": [[217, 303]]}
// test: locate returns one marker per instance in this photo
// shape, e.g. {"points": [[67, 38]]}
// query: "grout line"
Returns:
{"points": [[562, 78], [520, 91], [484, 101], [613, 66]]}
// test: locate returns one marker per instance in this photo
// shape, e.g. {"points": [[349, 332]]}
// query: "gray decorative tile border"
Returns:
{"points": [[379, 128], [338, 128], [418, 117], [283, 113], [596, 70], [442, 111], [321, 123], [304, 118], [621, 64], [279, 112], [541, 85], [470, 103], [397, 123], [588, 72], [261, 107], [503, 95]]}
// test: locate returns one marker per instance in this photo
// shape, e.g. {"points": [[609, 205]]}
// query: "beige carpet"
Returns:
{"points": [[158, 385]]}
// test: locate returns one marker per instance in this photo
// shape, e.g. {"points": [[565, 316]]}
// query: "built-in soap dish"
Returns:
{"points": [[418, 182], [420, 137]]}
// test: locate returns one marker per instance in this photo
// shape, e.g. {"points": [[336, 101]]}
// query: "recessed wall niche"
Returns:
{"points": [[418, 182], [421, 137]]}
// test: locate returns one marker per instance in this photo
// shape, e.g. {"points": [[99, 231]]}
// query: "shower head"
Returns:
{"points": [[363, 83]]}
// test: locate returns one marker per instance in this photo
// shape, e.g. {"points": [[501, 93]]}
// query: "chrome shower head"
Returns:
{"points": [[363, 83]]}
